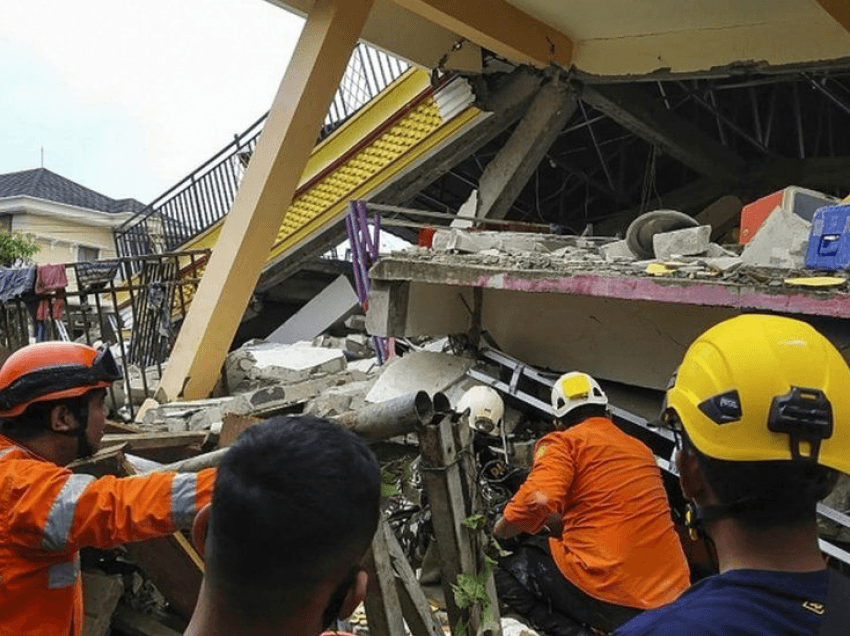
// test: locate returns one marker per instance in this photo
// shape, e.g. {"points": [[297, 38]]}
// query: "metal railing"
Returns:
{"points": [[136, 319], [206, 195]]}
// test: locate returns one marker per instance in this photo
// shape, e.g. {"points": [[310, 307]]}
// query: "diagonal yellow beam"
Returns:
{"points": [[267, 189], [839, 10], [499, 26]]}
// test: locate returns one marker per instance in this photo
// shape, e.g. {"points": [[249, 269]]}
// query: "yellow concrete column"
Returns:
{"points": [[290, 133]]}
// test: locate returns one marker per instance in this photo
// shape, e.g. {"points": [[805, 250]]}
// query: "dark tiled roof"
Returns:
{"points": [[41, 183]]}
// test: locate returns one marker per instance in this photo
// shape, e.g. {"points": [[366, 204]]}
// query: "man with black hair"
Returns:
{"points": [[295, 507], [612, 550], [51, 413], [760, 409]]}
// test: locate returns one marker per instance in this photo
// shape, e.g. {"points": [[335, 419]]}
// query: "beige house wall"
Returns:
{"points": [[60, 239]]}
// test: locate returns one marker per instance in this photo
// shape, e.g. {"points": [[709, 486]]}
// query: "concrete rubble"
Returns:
{"points": [[340, 375]]}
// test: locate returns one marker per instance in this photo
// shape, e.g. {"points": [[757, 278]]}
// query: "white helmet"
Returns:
{"points": [[486, 409], [573, 390]]}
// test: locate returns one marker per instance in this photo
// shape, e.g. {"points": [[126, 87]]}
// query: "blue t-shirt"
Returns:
{"points": [[740, 603]]}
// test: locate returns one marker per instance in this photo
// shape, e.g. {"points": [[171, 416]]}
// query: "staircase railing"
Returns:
{"points": [[203, 197]]}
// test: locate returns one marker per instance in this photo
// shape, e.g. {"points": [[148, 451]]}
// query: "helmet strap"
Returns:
{"points": [[81, 414], [696, 516]]}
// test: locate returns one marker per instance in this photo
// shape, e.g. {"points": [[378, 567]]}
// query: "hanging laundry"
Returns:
{"points": [[16, 281], [96, 275], [49, 280]]}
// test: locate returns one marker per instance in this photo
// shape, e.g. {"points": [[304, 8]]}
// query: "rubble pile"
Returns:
{"points": [[776, 253], [342, 376]]}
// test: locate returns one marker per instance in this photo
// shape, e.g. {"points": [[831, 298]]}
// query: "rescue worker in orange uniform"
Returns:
{"points": [[51, 412], [612, 550]]}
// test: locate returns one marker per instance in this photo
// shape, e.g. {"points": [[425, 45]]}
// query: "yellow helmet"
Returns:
{"points": [[758, 387]]}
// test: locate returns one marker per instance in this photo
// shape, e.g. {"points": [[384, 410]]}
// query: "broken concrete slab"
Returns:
{"points": [[295, 364], [724, 264], [418, 371], [685, 242], [339, 399], [617, 251], [780, 242], [458, 240], [333, 304], [255, 366]]}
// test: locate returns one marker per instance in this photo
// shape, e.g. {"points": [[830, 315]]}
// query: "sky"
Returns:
{"points": [[126, 97]]}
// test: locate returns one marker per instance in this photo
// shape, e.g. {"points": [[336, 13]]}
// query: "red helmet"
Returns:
{"points": [[53, 371]]}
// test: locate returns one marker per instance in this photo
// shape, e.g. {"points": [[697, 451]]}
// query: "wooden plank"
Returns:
{"points": [[142, 441], [383, 606], [450, 492], [232, 426], [107, 461], [414, 604], [120, 427]]}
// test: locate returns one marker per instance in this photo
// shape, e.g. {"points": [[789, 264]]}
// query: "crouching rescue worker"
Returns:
{"points": [[612, 549], [760, 407], [51, 413]]}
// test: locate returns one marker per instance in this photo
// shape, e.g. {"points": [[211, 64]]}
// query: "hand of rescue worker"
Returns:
{"points": [[554, 525]]}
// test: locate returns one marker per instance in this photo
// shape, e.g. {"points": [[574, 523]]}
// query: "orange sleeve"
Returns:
{"points": [[55, 510], [112, 510], [547, 487]]}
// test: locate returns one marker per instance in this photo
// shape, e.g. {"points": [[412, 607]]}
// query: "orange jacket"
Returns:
{"points": [[618, 543], [48, 513]]}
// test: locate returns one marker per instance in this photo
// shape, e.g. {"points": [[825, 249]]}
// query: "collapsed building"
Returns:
{"points": [[588, 201]]}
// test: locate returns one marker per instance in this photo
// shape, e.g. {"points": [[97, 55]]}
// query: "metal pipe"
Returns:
{"points": [[398, 416], [193, 464]]}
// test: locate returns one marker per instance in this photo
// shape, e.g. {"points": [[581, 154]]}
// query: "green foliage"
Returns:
{"points": [[475, 522], [16, 247], [470, 591], [388, 484]]}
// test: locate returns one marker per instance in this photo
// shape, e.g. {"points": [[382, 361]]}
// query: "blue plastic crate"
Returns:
{"points": [[829, 240]]}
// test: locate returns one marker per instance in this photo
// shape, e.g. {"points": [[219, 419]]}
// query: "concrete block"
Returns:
{"points": [[366, 367], [386, 314], [332, 304], [617, 251], [781, 242], [205, 419], [175, 424], [356, 322], [686, 242], [724, 264], [359, 346], [419, 371], [280, 364]]}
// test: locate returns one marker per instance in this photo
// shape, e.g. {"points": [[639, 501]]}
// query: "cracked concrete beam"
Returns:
{"points": [[508, 172]]}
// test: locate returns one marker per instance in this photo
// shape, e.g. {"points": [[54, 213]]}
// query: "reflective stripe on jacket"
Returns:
{"points": [[48, 513]]}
